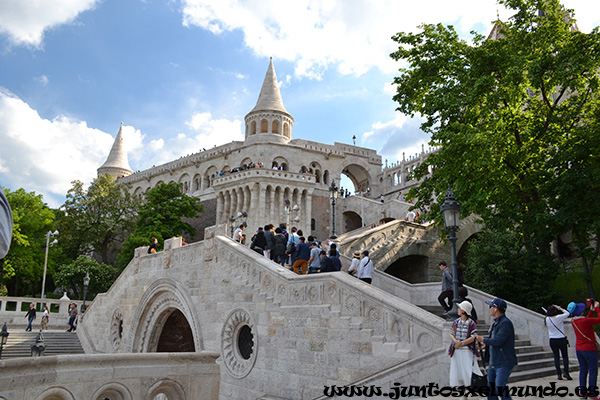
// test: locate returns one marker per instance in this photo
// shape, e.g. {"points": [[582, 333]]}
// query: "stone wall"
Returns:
{"points": [[189, 376], [303, 332]]}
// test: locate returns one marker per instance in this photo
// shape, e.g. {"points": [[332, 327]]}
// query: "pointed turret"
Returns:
{"points": [[270, 96], [116, 164], [269, 121]]}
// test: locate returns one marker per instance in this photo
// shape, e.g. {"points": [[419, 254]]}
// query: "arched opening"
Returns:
{"points": [[359, 177], [275, 127], [286, 130], [176, 335], [253, 128], [326, 177], [413, 269], [264, 126], [352, 221]]}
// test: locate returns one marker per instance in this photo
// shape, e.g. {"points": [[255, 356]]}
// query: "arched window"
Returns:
{"points": [[264, 126], [253, 128], [286, 130], [275, 127]]}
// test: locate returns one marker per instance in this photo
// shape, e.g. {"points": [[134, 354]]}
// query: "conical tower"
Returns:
{"points": [[269, 121], [116, 164]]}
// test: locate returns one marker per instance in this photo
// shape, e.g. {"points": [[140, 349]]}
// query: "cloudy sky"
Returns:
{"points": [[182, 74]]}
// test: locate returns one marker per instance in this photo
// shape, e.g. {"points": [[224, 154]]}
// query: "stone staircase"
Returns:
{"points": [[534, 361], [57, 343]]}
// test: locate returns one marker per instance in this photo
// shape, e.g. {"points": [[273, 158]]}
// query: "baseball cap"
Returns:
{"points": [[498, 303], [576, 309]]}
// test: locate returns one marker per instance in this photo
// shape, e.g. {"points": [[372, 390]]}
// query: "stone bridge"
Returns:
{"points": [[277, 335], [406, 250]]}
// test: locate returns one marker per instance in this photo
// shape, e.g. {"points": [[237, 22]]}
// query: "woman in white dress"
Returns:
{"points": [[462, 350]]}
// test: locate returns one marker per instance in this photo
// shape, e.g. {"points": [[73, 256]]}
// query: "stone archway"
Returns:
{"points": [[352, 221], [412, 268], [358, 175], [176, 335], [164, 305]]}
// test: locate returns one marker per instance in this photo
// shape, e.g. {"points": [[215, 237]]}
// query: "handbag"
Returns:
{"points": [[479, 381]]}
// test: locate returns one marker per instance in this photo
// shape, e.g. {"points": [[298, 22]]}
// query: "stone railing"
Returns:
{"points": [[386, 241], [262, 173], [13, 310], [526, 322], [178, 376]]}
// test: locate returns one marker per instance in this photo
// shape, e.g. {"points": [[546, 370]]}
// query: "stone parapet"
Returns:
{"points": [[264, 175], [179, 376]]}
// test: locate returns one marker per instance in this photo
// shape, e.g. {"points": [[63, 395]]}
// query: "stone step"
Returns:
{"points": [[57, 343], [524, 375]]}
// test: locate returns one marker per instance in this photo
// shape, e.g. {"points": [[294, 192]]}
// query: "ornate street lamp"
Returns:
{"points": [[333, 194], [48, 244], [86, 284], [451, 212], [354, 139], [38, 349], [3, 338]]}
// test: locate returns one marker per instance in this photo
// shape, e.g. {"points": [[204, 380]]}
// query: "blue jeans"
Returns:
{"points": [[499, 377], [588, 365], [30, 322]]}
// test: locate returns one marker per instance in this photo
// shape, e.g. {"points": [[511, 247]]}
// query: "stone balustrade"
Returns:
{"points": [[13, 310], [263, 173], [175, 376]]}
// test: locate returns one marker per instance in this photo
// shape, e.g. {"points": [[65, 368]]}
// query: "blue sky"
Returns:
{"points": [[182, 74]]}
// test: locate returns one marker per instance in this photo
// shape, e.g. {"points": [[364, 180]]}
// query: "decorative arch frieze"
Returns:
{"points": [[155, 306], [56, 393], [113, 391]]}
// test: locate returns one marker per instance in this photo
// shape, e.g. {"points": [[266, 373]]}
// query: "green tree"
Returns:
{"points": [[161, 216], [514, 121], [98, 219], [506, 264], [24, 263], [70, 277]]}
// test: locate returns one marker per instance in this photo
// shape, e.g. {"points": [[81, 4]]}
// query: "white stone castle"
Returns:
{"points": [[214, 320], [272, 167]]}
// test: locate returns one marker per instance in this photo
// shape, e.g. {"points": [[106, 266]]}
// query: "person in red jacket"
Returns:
{"points": [[585, 347]]}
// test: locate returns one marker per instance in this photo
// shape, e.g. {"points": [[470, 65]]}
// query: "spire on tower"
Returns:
{"points": [[116, 164], [270, 96], [269, 120]]}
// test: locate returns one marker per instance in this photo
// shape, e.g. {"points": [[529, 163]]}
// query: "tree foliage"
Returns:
{"points": [[24, 263], [506, 269], [97, 219], [515, 122], [70, 277], [161, 216]]}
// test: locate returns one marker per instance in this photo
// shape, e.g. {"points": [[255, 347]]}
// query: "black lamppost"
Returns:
{"points": [[354, 139], [333, 194], [451, 212], [3, 338], [86, 284]]}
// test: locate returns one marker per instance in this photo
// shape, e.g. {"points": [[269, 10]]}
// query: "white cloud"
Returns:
{"points": [[43, 80], [315, 34], [397, 139], [352, 35], [44, 155], [26, 21]]}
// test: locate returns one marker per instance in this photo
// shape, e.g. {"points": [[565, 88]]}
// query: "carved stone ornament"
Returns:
{"points": [[239, 343], [116, 329]]}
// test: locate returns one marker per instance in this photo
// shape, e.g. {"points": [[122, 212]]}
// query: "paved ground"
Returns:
{"points": [[565, 389]]}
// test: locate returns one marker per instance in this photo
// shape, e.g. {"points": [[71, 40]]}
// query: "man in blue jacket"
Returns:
{"points": [[501, 344]]}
